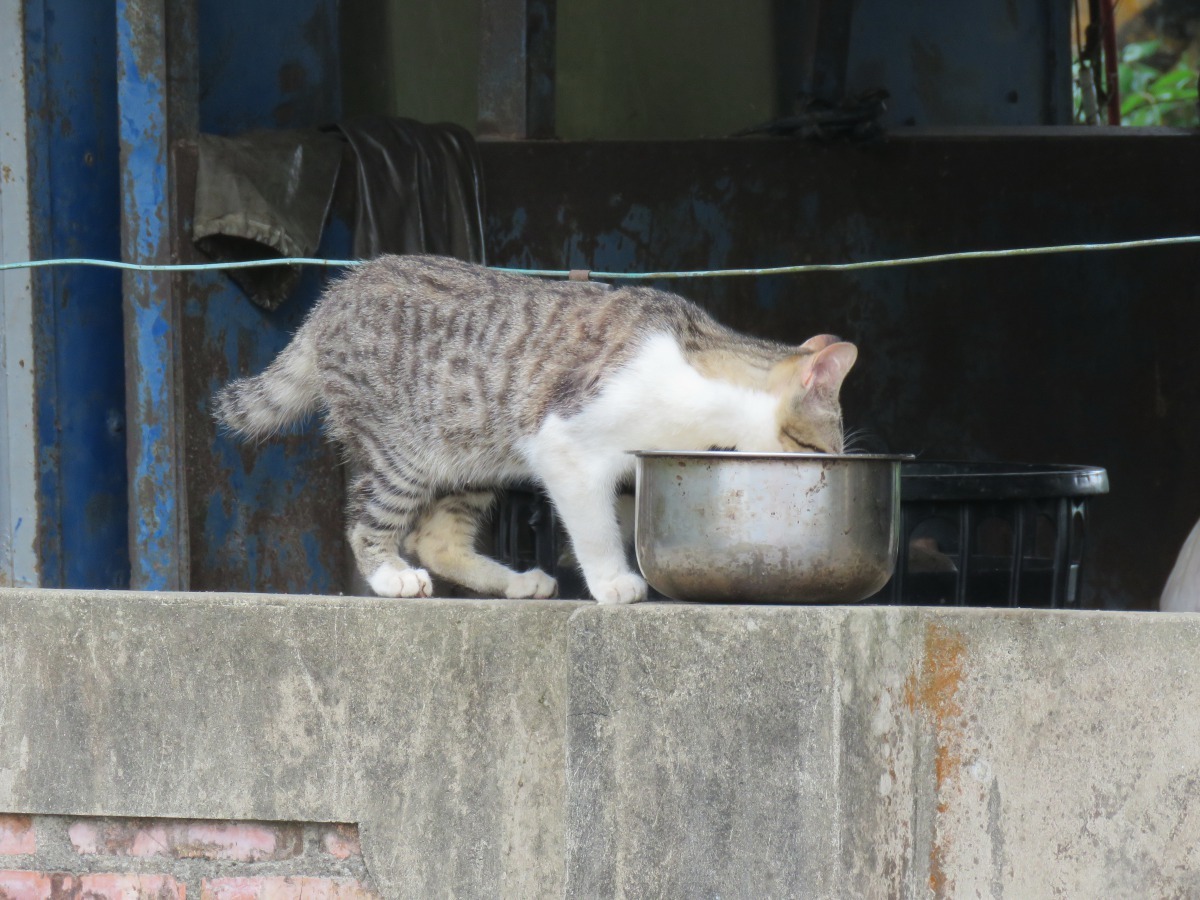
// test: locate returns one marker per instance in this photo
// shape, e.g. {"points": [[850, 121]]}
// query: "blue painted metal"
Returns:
{"points": [[267, 516], [990, 62], [268, 64], [157, 523], [71, 86]]}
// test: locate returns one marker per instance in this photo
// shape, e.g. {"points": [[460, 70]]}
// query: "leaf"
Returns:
{"points": [[1140, 77], [1131, 53], [1131, 102], [1174, 80], [1125, 79]]}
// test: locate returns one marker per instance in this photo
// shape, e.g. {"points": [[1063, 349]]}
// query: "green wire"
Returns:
{"points": [[180, 267], [701, 273]]}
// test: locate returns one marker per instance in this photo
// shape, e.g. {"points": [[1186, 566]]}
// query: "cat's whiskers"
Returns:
{"points": [[852, 440]]}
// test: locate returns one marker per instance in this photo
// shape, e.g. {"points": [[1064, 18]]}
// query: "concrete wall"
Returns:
{"points": [[543, 749]]}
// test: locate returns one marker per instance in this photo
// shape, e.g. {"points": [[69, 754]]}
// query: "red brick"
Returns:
{"points": [[239, 841], [44, 885], [16, 835], [24, 885], [341, 841], [85, 836], [128, 887], [275, 888]]}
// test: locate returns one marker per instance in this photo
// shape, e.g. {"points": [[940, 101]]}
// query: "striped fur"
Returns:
{"points": [[287, 392], [444, 381]]}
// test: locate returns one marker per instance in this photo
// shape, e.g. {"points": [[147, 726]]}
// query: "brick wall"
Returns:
{"points": [[64, 857]]}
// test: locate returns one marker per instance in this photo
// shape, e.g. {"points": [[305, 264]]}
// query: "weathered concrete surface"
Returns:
{"points": [[504, 749], [703, 751], [1051, 754], [437, 726], [882, 752]]}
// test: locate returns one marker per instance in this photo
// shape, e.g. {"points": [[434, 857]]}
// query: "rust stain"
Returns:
{"points": [[934, 691]]}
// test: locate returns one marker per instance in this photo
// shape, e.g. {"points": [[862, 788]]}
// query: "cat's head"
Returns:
{"points": [[809, 414]]}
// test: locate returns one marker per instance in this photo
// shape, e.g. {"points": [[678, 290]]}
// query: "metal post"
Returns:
{"points": [[19, 525], [813, 43], [517, 68], [156, 101]]}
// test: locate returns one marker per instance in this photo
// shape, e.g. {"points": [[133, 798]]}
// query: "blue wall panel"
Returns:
{"points": [[71, 72], [261, 516], [268, 64], [988, 62]]}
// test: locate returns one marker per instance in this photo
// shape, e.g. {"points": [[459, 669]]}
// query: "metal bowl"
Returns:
{"points": [[767, 527]]}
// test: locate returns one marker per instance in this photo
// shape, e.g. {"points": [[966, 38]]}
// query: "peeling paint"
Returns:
{"points": [[157, 526]]}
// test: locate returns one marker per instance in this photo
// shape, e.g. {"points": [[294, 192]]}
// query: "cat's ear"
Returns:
{"points": [[819, 342], [828, 368], [819, 373]]}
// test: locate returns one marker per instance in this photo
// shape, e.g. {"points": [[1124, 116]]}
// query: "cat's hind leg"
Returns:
{"points": [[444, 541], [380, 514]]}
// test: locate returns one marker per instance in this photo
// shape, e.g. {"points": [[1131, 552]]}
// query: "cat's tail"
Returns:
{"points": [[288, 391]]}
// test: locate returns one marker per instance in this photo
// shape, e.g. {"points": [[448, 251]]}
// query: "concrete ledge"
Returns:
{"points": [[703, 752], [437, 726], [492, 748], [882, 752]]}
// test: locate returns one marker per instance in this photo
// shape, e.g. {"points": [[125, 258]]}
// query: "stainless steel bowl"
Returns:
{"points": [[767, 528]]}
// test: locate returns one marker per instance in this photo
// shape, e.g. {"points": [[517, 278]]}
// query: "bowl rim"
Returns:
{"points": [[793, 457]]}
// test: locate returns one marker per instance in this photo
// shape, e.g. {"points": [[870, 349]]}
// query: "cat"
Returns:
{"points": [[444, 381]]}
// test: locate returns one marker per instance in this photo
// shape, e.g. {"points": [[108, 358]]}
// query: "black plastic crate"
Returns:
{"points": [[992, 534], [972, 534]]}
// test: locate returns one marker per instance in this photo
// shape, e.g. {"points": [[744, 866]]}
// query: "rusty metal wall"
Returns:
{"points": [[266, 516], [987, 62], [154, 106], [261, 517], [1073, 359]]}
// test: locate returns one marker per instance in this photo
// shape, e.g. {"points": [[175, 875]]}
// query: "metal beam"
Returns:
{"points": [[19, 519], [157, 100], [517, 68], [825, 44]]}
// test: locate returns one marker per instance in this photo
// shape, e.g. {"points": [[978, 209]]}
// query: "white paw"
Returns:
{"points": [[534, 583], [390, 581], [625, 588]]}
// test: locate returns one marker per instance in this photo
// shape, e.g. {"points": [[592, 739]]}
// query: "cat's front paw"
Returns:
{"points": [[534, 583], [392, 581], [625, 588]]}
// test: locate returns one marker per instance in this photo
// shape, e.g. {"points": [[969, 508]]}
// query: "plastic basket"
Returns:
{"points": [[992, 534]]}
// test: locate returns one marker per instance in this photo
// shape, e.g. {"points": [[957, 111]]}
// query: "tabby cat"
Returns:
{"points": [[444, 381]]}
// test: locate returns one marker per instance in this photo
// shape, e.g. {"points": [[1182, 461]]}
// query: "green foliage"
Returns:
{"points": [[1151, 96]]}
